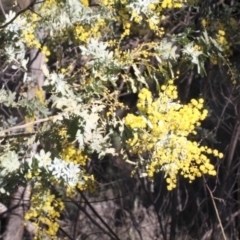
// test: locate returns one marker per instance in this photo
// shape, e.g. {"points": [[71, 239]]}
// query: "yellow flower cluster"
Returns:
{"points": [[222, 40], [45, 50], [135, 121], [28, 35], [48, 6], [83, 32], [110, 3], [135, 21], [126, 27], [154, 26], [85, 3], [112, 103], [40, 95], [69, 152], [137, 18], [89, 184], [160, 131], [45, 209], [221, 37], [72, 154], [172, 3]]}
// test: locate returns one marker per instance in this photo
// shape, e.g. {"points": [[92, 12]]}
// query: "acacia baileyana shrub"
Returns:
{"points": [[90, 57]]}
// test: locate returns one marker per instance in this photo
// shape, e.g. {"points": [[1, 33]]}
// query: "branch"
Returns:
{"points": [[26, 125], [98, 216], [217, 213], [15, 226], [92, 219], [18, 13]]}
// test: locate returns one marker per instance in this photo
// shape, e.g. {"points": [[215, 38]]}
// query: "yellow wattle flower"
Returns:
{"points": [[85, 3]]}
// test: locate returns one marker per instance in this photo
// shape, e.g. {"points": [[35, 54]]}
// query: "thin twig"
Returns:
{"points": [[216, 210], [91, 218], [8, 130], [100, 218], [154, 206]]}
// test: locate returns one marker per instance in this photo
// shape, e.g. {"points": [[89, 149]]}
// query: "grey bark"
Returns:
{"points": [[7, 5], [19, 206]]}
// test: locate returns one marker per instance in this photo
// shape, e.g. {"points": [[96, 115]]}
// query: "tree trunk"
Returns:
{"points": [[19, 205]]}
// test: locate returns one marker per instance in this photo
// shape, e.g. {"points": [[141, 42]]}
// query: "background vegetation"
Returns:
{"points": [[119, 119]]}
